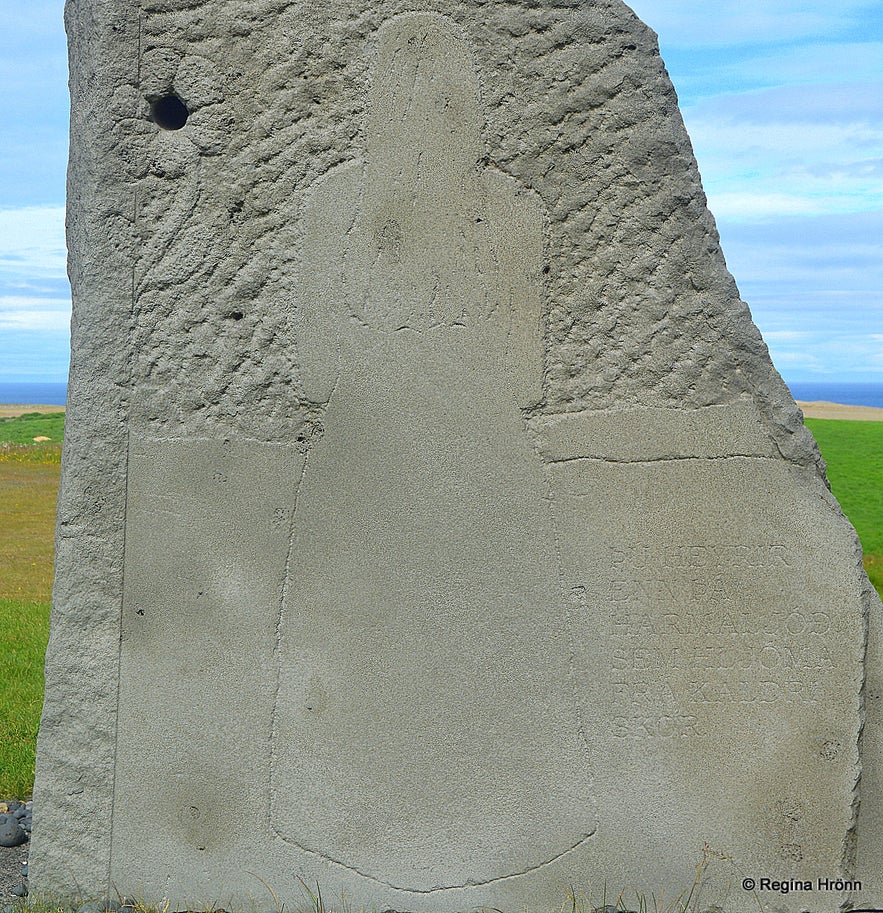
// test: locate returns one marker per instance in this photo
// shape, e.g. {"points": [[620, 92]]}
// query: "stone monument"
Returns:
{"points": [[434, 528]]}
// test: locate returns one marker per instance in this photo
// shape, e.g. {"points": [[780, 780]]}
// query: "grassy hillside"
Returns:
{"points": [[24, 629], [32, 438], [29, 474], [854, 452], [25, 429]]}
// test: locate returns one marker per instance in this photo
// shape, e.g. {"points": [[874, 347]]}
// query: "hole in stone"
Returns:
{"points": [[235, 315], [169, 112]]}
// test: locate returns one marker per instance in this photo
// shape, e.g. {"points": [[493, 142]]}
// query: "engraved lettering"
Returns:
{"points": [[679, 633]]}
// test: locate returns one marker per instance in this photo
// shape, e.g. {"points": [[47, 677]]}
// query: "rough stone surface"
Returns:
{"points": [[428, 494]]}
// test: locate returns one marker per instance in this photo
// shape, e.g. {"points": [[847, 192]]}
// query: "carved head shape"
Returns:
{"points": [[423, 109]]}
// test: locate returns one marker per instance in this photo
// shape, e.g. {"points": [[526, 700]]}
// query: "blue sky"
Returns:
{"points": [[783, 102]]}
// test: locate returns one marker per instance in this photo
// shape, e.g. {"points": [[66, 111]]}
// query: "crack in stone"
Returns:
{"points": [[469, 883], [664, 459]]}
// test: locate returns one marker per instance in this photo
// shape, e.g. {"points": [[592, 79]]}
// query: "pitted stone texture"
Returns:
{"points": [[577, 106], [428, 491]]}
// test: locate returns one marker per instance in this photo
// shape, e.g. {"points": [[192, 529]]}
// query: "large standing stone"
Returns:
{"points": [[434, 527]]}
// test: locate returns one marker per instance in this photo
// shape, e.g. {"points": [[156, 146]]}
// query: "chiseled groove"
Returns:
{"points": [[664, 459], [471, 883]]}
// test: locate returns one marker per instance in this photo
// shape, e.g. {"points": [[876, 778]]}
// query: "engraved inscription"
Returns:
{"points": [[680, 630], [736, 555]]}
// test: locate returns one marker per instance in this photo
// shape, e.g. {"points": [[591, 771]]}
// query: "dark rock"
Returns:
{"points": [[10, 832], [92, 906], [20, 890]]}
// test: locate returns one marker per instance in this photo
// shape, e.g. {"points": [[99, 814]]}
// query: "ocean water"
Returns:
{"points": [[36, 393], [850, 394]]}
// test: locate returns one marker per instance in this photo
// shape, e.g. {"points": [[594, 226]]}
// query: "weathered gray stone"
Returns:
{"points": [[434, 527]]}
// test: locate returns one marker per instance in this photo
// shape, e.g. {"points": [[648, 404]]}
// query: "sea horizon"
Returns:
{"points": [[16, 392], [849, 393]]}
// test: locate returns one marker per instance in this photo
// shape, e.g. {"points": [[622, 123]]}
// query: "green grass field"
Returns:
{"points": [[24, 429], [854, 453], [29, 474], [32, 438], [24, 628]]}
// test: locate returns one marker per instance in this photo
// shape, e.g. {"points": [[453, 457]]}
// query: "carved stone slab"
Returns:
{"points": [[434, 528]]}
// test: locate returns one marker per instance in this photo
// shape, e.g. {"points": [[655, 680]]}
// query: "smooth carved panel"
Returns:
{"points": [[646, 434], [705, 594], [207, 535], [424, 622]]}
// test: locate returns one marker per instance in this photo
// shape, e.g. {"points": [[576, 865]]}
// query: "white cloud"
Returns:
{"points": [[23, 313], [815, 289], [745, 206], [35, 320], [795, 129], [859, 138], [690, 23], [33, 303], [780, 168], [797, 358], [32, 242], [783, 336], [813, 63], [826, 354], [835, 102]]}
